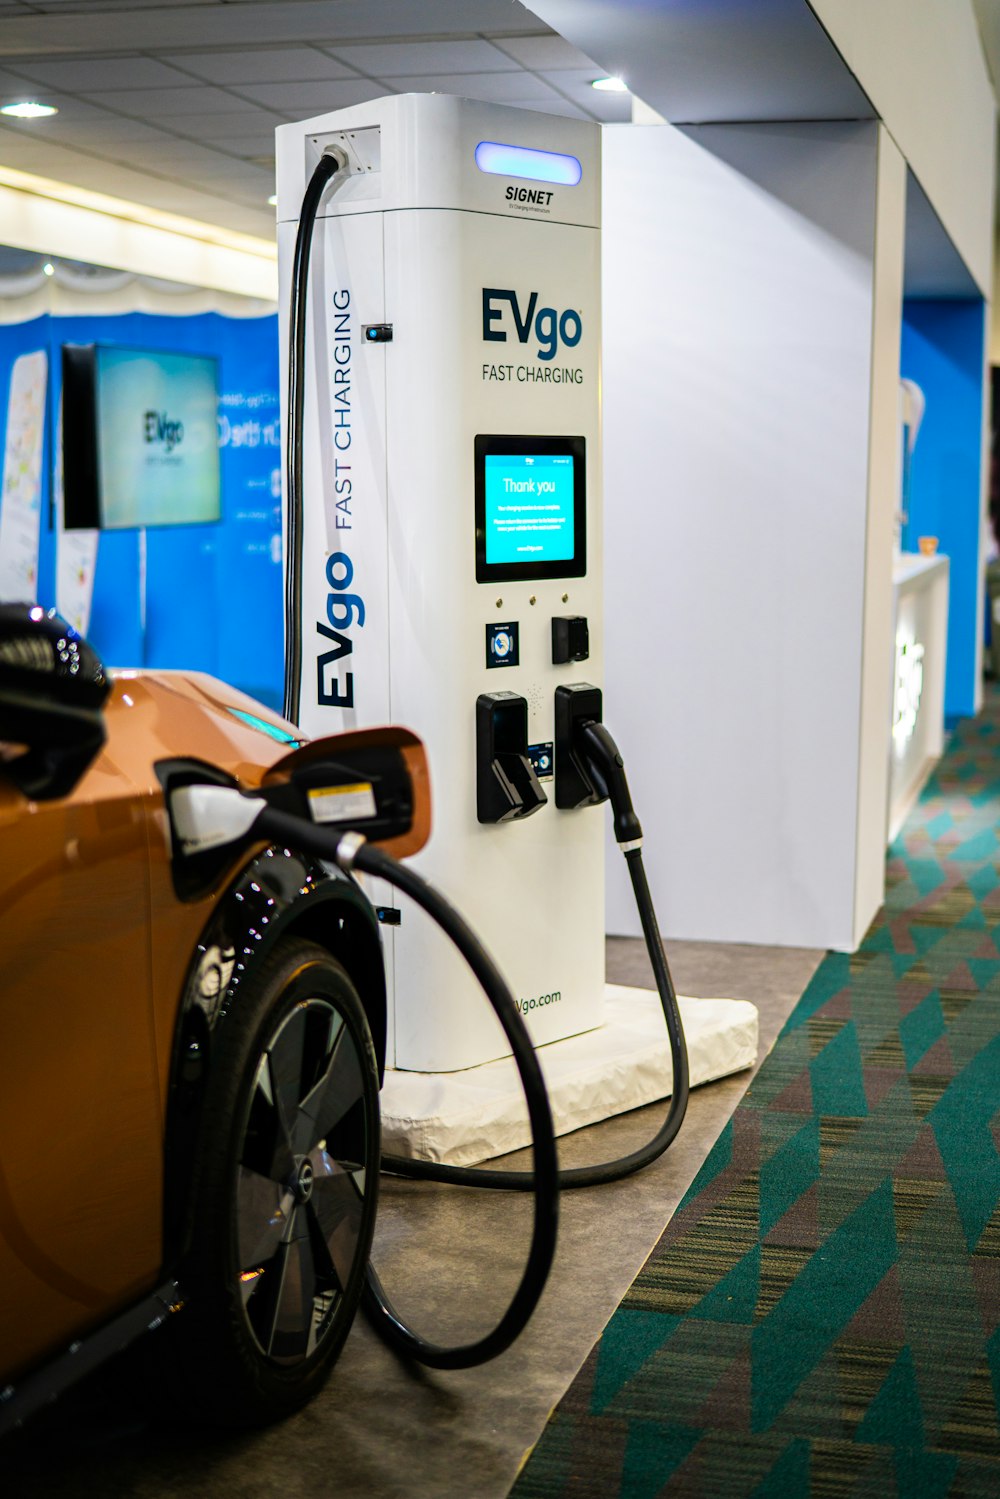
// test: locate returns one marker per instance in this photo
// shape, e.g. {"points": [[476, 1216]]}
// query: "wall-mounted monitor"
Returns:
{"points": [[531, 508], [140, 437]]}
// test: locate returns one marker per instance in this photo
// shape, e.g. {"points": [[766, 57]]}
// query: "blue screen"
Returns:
{"points": [[158, 436], [529, 508]]}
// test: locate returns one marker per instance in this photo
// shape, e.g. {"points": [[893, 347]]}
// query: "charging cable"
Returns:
{"points": [[204, 815], [604, 762], [332, 162], [212, 815]]}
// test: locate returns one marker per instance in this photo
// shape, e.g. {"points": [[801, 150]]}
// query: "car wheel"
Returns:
{"points": [[286, 1185]]}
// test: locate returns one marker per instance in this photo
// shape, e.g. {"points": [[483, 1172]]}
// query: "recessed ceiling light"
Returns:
{"points": [[28, 109], [48, 269], [610, 85], [273, 200]]}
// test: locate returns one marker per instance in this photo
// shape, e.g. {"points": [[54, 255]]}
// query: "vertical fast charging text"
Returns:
{"points": [[344, 609]]}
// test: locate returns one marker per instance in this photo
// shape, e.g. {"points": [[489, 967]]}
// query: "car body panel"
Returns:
{"points": [[101, 961], [80, 1099]]}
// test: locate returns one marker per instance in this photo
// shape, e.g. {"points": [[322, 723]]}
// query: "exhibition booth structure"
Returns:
{"points": [[181, 566], [768, 280]]}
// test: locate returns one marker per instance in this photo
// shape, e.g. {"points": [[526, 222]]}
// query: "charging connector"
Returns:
{"points": [[607, 769]]}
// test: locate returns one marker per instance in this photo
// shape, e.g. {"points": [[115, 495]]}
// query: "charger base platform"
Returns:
{"points": [[464, 1118]]}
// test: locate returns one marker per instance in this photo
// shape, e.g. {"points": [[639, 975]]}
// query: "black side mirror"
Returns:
{"points": [[52, 692]]}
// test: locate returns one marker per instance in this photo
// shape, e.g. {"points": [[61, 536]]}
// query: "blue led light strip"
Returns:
{"points": [[270, 729], [523, 161]]}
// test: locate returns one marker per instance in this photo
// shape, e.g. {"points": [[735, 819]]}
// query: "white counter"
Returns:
{"points": [[920, 595], [911, 568]]}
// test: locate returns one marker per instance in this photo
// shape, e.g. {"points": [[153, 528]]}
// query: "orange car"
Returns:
{"points": [[191, 1048]]}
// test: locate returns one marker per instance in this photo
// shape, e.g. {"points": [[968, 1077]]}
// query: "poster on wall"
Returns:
{"points": [[76, 555], [21, 503]]}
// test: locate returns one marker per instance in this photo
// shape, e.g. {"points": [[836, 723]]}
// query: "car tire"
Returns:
{"points": [[284, 1193]]}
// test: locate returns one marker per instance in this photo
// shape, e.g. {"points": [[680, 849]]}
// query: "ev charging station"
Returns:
{"points": [[449, 579]]}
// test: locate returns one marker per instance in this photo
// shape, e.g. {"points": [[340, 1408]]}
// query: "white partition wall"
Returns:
{"points": [[752, 285]]}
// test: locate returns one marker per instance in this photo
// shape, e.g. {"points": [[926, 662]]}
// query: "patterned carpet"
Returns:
{"points": [[821, 1316]]}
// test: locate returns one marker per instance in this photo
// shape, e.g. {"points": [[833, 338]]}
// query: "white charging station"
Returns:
{"points": [[451, 559]]}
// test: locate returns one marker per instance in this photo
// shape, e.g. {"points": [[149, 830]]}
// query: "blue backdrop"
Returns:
{"points": [[213, 592], [942, 349]]}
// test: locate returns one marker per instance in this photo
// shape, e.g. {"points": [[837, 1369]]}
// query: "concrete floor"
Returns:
{"points": [[450, 1258]]}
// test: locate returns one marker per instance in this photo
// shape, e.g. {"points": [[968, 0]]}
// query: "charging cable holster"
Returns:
{"points": [[506, 784], [576, 784]]}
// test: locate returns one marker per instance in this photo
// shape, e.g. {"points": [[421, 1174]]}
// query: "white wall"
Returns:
{"points": [[738, 285], [921, 63]]}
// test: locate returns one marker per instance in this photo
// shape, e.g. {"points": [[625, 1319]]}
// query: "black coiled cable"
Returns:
{"points": [[607, 1171], [543, 1180]]}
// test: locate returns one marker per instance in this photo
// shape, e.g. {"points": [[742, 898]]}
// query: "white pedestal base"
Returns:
{"points": [[471, 1116]]}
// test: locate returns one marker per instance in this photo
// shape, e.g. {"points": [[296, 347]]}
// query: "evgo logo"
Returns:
{"points": [[549, 327]]}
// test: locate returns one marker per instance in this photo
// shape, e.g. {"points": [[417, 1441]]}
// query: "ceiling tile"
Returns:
{"points": [[257, 121], [193, 160], [64, 7], [92, 74], [248, 146], [13, 81], [167, 28], [264, 65], [243, 174], [557, 107], [402, 59], [546, 52], [14, 152], [173, 198], [150, 103], [106, 130], [366, 19], [169, 152], [499, 88], [609, 108], [303, 99]]}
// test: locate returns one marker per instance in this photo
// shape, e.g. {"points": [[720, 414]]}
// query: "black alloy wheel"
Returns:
{"points": [[301, 1181], [284, 1209]]}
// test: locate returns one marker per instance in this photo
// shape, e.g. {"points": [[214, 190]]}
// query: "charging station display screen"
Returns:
{"points": [[530, 508]]}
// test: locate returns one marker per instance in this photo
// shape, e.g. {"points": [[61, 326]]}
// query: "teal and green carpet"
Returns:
{"points": [[821, 1315]]}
